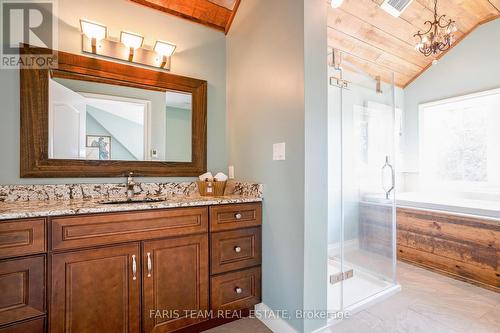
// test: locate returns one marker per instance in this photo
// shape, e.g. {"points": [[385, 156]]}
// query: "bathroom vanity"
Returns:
{"points": [[71, 262], [150, 270]]}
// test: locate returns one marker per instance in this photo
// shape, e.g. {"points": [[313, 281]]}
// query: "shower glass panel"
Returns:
{"points": [[362, 145]]}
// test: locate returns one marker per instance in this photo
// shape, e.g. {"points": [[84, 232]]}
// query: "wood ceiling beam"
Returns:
{"points": [[466, 13], [214, 13], [346, 43], [231, 18], [495, 4], [370, 12], [353, 26], [229, 4], [417, 14]]}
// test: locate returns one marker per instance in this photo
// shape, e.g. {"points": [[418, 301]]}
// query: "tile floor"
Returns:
{"points": [[428, 303]]}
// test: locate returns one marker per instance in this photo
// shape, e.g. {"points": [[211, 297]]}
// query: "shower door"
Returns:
{"points": [[362, 255]]}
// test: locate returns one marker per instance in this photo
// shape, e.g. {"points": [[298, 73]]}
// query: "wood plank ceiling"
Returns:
{"points": [[217, 14], [380, 44]]}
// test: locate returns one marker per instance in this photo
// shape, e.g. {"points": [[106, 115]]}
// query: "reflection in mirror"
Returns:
{"points": [[98, 121]]}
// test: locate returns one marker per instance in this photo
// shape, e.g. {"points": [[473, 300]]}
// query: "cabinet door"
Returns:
{"points": [[175, 282], [96, 291], [22, 289]]}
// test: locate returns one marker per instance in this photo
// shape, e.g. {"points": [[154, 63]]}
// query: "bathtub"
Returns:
{"points": [[483, 205], [475, 204], [450, 234]]}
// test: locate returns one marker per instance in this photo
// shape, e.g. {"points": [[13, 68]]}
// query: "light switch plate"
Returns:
{"points": [[279, 151]]}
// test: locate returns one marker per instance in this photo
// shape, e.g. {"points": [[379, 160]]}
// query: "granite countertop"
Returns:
{"points": [[29, 209], [27, 201]]}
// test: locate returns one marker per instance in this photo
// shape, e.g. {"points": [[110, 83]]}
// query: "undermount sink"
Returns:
{"points": [[131, 201]]}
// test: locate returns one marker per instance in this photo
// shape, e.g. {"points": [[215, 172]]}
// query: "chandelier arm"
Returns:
{"points": [[446, 23], [428, 30], [443, 47]]}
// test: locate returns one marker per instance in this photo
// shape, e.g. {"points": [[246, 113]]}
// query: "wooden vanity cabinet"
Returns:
{"points": [[130, 272]]}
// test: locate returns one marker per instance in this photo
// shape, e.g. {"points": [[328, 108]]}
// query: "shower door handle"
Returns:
{"points": [[393, 178]]}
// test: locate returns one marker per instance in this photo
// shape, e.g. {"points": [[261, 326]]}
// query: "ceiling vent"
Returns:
{"points": [[395, 7]]}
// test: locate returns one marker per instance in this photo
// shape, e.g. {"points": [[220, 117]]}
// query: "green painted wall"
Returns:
{"points": [[200, 54], [276, 79]]}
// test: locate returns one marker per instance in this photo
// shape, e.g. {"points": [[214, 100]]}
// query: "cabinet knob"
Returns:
{"points": [[238, 216], [238, 290], [237, 249]]}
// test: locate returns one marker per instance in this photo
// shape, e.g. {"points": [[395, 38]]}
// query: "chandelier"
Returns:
{"points": [[439, 37]]}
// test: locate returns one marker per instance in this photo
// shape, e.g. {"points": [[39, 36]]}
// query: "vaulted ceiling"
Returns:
{"points": [[380, 44], [217, 14]]}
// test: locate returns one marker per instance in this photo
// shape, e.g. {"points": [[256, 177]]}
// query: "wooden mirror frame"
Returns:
{"points": [[34, 134]]}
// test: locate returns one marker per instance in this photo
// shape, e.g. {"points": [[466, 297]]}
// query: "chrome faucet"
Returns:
{"points": [[130, 186]]}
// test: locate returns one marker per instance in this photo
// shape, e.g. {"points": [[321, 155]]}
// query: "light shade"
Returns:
{"points": [[93, 30], [337, 3], [131, 40], [164, 48]]}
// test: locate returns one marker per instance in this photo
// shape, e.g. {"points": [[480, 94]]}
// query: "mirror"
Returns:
{"points": [[88, 117], [99, 121]]}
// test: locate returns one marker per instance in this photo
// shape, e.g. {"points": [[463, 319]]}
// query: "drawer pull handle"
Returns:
{"points": [[237, 249], [149, 264], [134, 268], [238, 290], [238, 216]]}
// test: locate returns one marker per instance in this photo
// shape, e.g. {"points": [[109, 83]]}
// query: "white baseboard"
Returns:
{"points": [[269, 318]]}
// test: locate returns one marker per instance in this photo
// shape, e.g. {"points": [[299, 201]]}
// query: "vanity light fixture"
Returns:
{"points": [[165, 50], [132, 41], [94, 31], [130, 47]]}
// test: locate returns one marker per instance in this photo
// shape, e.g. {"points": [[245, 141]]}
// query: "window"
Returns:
{"points": [[460, 142]]}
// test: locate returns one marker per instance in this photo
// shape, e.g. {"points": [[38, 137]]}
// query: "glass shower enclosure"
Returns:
{"points": [[363, 135]]}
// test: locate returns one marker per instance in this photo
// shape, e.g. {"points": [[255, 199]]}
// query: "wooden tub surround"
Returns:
{"points": [[462, 247], [130, 271]]}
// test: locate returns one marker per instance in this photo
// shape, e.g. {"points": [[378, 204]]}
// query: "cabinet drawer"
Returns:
{"points": [[22, 237], [233, 250], [22, 286], [32, 326], [102, 229], [238, 290], [227, 217]]}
